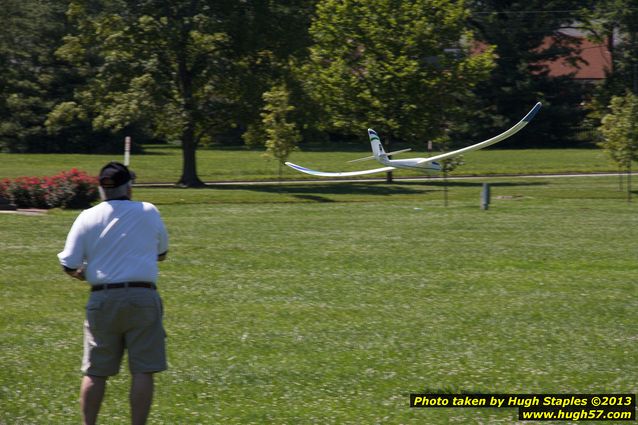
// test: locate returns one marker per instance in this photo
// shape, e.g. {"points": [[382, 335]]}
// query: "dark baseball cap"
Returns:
{"points": [[115, 174]]}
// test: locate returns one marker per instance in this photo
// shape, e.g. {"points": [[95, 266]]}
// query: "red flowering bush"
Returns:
{"points": [[68, 189]]}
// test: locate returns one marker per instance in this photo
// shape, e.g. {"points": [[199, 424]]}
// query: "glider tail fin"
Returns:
{"points": [[375, 144]]}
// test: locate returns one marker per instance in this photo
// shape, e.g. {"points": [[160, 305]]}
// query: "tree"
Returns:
{"points": [[620, 133], [614, 22], [404, 68], [31, 79], [268, 39], [448, 165], [186, 70], [164, 64], [519, 30], [282, 135]]}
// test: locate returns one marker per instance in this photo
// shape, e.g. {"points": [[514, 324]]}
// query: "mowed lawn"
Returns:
{"points": [[163, 164], [331, 303]]}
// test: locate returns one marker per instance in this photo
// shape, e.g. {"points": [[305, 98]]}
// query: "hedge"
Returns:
{"points": [[68, 189]]}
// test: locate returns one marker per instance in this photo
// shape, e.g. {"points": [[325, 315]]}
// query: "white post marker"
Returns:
{"points": [[127, 150]]}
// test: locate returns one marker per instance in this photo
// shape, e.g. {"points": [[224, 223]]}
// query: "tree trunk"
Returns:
{"points": [[189, 165], [445, 189], [189, 143], [388, 177], [629, 182], [388, 174]]}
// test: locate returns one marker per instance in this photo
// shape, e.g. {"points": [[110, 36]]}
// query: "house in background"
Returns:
{"points": [[595, 63]]}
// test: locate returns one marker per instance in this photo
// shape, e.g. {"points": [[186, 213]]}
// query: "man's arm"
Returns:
{"points": [[162, 239], [72, 257]]}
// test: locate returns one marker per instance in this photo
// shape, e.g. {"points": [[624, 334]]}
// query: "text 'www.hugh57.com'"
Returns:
{"points": [[540, 407]]}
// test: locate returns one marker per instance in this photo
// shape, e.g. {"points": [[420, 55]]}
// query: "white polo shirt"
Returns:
{"points": [[119, 241]]}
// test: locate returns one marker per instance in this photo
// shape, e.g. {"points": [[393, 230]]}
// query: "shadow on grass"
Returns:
{"points": [[315, 191], [314, 198], [480, 184]]}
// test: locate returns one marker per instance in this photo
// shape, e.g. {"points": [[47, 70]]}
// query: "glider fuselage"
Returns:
{"points": [[416, 164]]}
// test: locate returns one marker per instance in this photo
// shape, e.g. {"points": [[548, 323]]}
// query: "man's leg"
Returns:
{"points": [[91, 395], [141, 397]]}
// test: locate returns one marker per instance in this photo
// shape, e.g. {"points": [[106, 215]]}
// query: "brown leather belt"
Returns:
{"points": [[123, 285]]}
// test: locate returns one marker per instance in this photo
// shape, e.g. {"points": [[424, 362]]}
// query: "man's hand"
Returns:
{"points": [[79, 274], [75, 273]]}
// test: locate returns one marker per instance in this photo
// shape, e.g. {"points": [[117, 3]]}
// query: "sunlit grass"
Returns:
{"points": [[331, 303], [164, 164]]}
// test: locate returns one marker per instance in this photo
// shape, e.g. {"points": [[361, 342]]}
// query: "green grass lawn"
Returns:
{"points": [[331, 303], [164, 163]]}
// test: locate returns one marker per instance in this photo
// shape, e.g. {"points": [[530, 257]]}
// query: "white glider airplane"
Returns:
{"points": [[417, 164]]}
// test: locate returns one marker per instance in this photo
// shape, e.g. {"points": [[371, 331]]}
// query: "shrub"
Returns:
{"points": [[68, 189]]}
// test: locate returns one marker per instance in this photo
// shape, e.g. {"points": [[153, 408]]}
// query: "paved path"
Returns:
{"points": [[382, 179]]}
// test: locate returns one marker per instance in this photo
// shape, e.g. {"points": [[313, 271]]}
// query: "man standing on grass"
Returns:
{"points": [[115, 246]]}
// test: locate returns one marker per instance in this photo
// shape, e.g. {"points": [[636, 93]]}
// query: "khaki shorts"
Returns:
{"points": [[119, 319]]}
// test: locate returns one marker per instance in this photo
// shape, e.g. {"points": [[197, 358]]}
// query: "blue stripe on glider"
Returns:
{"points": [[298, 167], [532, 113]]}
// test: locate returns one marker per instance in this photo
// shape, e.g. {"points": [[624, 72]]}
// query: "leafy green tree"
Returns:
{"points": [[32, 80], [620, 133], [519, 31], [614, 22], [447, 166], [185, 70], [403, 68], [164, 64], [282, 135], [268, 39]]}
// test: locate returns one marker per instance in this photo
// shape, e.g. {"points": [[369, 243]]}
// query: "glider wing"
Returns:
{"points": [[504, 135], [344, 174]]}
